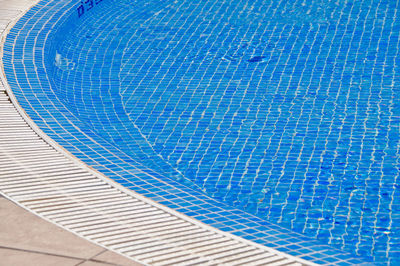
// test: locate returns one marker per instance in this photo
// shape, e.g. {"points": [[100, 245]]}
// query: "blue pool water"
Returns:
{"points": [[287, 110]]}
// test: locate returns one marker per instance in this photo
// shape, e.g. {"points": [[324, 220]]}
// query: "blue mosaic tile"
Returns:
{"points": [[277, 121]]}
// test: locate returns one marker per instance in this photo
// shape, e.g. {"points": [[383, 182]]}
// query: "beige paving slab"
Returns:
{"points": [[112, 257], [93, 263], [22, 230], [23, 258]]}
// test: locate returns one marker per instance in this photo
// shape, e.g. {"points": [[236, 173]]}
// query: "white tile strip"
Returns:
{"points": [[45, 179]]}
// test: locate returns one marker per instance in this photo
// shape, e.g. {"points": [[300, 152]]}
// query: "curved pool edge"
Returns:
{"points": [[56, 148], [95, 172]]}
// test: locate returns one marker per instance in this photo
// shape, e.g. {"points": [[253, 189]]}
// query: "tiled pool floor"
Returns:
{"points": [[249, 116]]}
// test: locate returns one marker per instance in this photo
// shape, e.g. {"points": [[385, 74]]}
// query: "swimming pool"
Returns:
{"points": [[285, 110]]}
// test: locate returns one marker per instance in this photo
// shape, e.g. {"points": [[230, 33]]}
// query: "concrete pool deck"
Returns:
{"points": [[25, 237]]}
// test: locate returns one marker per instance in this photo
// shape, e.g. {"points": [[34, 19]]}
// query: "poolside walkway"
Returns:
{"points": [[25, 238]]}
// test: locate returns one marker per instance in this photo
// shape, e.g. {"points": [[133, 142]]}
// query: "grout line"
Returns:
{"points": [[41, 252], [82, 260], [93, 258]]}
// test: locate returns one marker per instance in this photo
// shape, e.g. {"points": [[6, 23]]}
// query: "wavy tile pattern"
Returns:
{"points": [[286, 110]]}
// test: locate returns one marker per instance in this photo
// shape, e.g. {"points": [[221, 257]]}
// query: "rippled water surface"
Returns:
{"points": [[286, 109]]}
